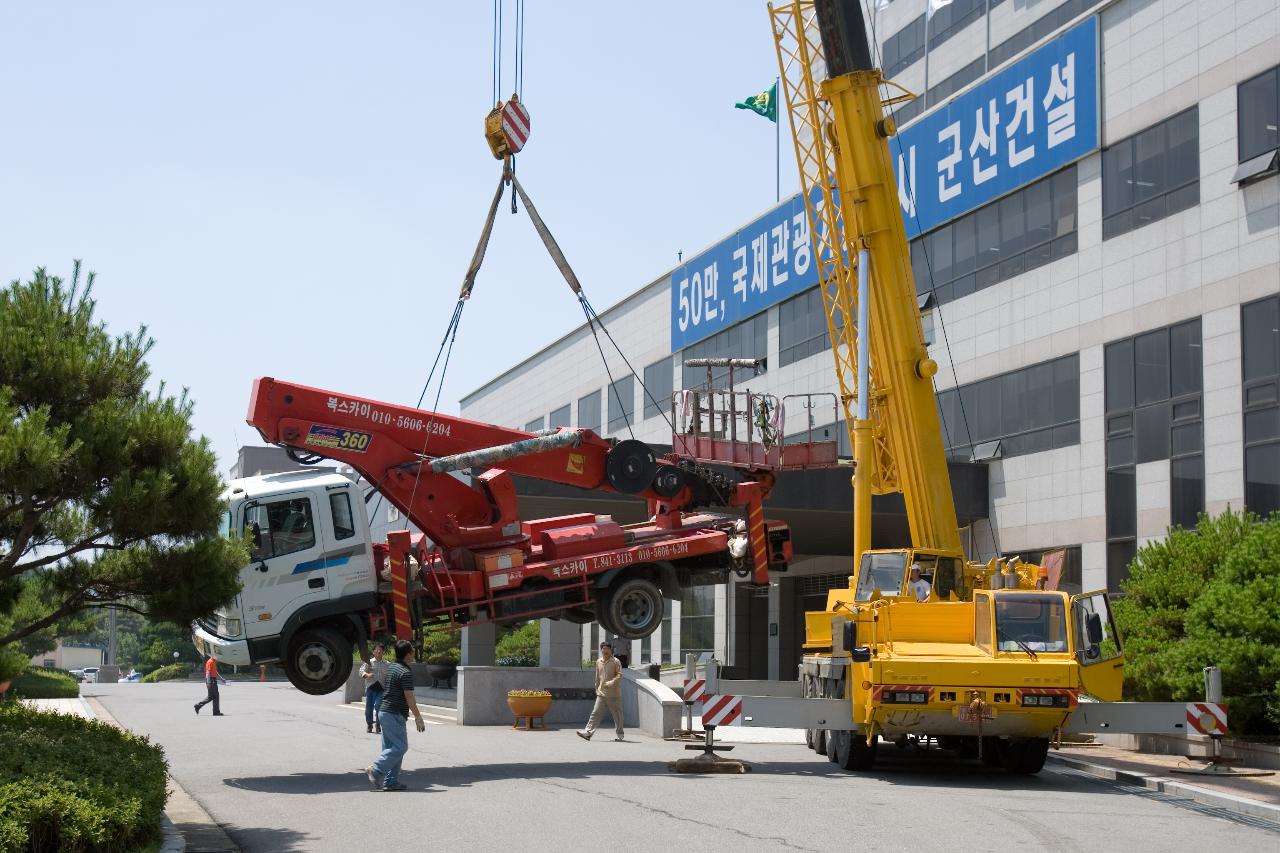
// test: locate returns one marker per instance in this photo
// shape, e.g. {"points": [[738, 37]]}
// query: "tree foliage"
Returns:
{"points": [[1208, 597], [105, 497]]}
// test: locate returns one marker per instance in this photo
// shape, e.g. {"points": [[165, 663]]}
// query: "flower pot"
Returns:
{"points": [[441, 672], [529, 708]]}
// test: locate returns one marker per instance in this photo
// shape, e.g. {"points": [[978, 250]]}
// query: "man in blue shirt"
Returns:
{"points": [[397, 702]]}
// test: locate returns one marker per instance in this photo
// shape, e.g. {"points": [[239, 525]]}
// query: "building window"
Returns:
{"points": [[659, 380], [1152, 393], [903, 47], [560, 418], [950, 19], [1260, 339], [748, 339], [802, 327], [1151, 175], [622, 403], [1022, 231], [1037, 29], [957, 81], [1258, 115], [697, 620], [1030, 410], [536, 425], [1070, 579], [589, 411]]}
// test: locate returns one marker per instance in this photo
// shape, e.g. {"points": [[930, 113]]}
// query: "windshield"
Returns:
{"points": [[224, 523], [883, 572], [1031, 622]]}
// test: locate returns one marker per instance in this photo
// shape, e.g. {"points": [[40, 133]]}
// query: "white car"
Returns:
{"points": [[131, 678], [91, 675]]}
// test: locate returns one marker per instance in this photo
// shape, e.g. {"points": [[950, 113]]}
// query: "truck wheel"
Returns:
{"points": [[853, 753], [1024, 756], [632, 609], [820, 741], [992, 747], [319, 661], [833, 745]]}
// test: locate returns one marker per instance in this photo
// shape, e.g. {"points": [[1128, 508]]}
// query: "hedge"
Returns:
{"points": [[76, 785], [44, 684], [167, 673]]}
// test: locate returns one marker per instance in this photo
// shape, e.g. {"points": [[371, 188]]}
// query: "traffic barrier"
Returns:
{"points": [[721, 711], [1207, 718]]}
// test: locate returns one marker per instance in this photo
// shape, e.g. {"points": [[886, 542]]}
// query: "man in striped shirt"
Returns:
{"points": [[397, 702]]}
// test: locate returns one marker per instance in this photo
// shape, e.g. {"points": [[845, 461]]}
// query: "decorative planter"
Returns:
{"points": [[529, 708], [442, 672]]}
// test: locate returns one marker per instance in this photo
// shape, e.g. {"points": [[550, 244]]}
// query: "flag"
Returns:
{"points": [[935, 5], [765, 103]]}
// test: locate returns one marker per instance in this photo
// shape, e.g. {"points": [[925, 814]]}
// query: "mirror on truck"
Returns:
{"points": [[861, 654], [850, 636], [1093, 625]]}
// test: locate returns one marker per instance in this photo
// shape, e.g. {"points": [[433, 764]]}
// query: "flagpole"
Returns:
{"points": [[777, 144]]}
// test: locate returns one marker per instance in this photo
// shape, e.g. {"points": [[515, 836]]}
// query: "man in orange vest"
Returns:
{"points": [[211, 679]]}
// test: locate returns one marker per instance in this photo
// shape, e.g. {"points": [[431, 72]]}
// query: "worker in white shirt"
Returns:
{"points": [[918, 586]]}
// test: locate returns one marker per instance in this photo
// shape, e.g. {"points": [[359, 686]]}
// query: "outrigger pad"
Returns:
{"points": [[709, 762]]}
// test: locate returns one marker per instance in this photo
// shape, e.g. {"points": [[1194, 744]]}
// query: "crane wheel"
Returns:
{"points": [[632, 608], [820, 741], [668, 481], [630, 466], [318, 661], [1024, 756], [853, 751]]}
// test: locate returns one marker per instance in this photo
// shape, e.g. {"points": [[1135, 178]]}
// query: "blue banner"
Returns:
{"points": [[1032, 118]]}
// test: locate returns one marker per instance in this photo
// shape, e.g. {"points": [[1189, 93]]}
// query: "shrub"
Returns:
{"points": [[12, 662], [167, 673], [529, 694], [442, 647], [1207, 597], [447, 658], [520, 646], [45, 684], [76, 785]]}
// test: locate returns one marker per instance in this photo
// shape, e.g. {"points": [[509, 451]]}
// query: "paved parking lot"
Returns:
{"points": [[283, 771]]}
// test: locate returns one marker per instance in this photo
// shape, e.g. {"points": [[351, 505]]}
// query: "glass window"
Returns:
{"points": [[1029, 410], [1152, 428], [802, 327], [748, 339], [1122, 503], [1185, 359], [1152, 174], [882, 572], [280, 527], [1030, 622], [1119, 556], [1151, 366], [622, 403], [1262, 478], [344, 525], [1094, 610], [1260, 328], [1119, 375], [536, 425], [982, 621], [903, 47], [560, 418], [950, 19], [589, 411], [1258, 114], [697, 619], [658, 381], [1186, 477], [224, 524]]}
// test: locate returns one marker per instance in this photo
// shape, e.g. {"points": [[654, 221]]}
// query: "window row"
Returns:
{"points": [[1260, 342], [1022, 231], [1153, 174], [802, 327], [748, 339], [903, 47], [1258, 115], [1030, 410]]}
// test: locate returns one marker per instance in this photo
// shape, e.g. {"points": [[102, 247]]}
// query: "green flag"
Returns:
{"points": [[765, 103]]}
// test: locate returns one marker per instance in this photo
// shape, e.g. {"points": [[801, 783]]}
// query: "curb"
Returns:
{"points": [[174, 841], [1164, 785]]}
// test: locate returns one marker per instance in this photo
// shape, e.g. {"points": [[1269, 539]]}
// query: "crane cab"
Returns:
{"points": [[886, 574]]}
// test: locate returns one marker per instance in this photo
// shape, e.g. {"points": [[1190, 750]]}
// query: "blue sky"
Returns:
{"points": [[295, 189]]}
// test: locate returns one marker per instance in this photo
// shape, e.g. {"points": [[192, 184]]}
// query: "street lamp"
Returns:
{"points": [[175, 657]]}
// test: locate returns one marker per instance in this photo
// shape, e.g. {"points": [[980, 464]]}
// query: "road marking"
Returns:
{"points": [[424, 714]]}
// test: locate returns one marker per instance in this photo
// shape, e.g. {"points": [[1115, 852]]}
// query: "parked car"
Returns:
{"points": [[90, 675], [130, 678], [77, 674]]}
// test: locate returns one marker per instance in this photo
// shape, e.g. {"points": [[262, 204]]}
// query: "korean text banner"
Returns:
{"points": [[1036, 116], [757, 266]]}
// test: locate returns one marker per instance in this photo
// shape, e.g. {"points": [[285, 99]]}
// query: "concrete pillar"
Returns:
{"points": [[559, 643], [478, 643], [720, 641]]}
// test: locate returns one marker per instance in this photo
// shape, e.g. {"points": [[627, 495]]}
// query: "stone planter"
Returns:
{"points": [[442, 672], [529, 708]]}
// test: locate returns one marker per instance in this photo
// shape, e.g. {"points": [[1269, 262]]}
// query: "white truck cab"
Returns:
{"points": [[309, 579]]}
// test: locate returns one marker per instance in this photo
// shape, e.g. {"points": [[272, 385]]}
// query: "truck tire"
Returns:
{"points": [[631, 608], [1024, 756], [853, 752], [820, 741], [319, 661], [832, 749], [992, 747]]}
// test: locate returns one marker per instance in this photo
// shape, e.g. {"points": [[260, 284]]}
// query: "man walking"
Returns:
{"points": [[608, 693], [374, 673], [211, 679], [397, 702]]}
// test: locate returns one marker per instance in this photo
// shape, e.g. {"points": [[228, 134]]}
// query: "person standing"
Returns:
{"points": [[397, 702], [608, 693], [211, 679], [374, 674]]}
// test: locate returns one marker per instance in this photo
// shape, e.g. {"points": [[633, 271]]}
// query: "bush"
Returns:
{"points": [[1208, 597], [12, 662], [167, 673], [442, 647], [519, 646], [76, 785], [45, 684]]}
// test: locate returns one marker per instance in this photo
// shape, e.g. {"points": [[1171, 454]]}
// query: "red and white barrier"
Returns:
{"points": [[721, 710], [1207, 718]]}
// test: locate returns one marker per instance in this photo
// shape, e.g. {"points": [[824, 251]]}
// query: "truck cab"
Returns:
{"points": [[311, 571]]}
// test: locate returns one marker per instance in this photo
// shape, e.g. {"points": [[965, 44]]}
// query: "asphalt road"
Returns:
{"points": [[283, 771]]}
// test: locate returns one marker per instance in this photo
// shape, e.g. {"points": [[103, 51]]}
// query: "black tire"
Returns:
{"points": [[853, 752], [632, 608], [1024, 756], [820, 741], [991, 751], [833, 741], [319, 661]]}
